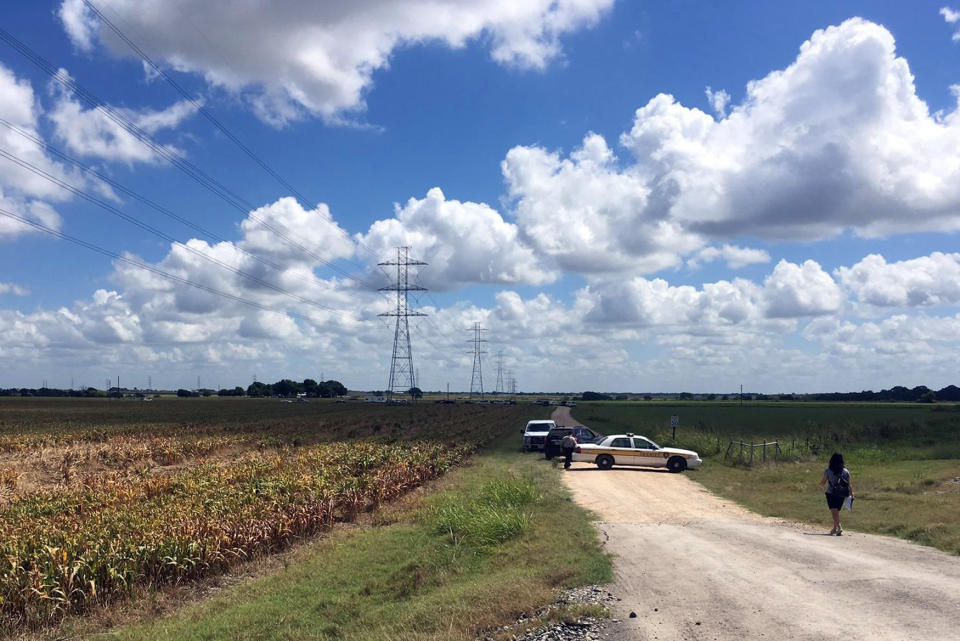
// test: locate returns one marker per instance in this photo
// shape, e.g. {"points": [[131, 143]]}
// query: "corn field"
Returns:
{"points": [[88, 516]]}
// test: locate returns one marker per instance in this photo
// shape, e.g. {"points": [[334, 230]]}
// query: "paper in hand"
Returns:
{"points": [[848, 503]]}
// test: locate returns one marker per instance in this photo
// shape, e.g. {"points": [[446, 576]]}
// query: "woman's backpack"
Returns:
{"points": [[841, 485]]}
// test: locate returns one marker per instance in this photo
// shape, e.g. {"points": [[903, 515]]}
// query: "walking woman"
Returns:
{"points": [[838, 478]]}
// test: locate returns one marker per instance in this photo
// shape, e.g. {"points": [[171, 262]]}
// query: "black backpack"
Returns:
{"points": [[841, 486]]}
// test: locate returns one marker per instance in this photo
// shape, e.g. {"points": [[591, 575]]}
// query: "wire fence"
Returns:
{"points": [[758, 452]]}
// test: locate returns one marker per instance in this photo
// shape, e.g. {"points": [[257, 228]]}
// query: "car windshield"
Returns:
{"points": [[539, 427]]}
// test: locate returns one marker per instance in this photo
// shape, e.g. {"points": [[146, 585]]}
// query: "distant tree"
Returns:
{"points": [[685, 396], [331, 388], [286, 387], [928, 397], [259, 390], [711, 397], [415, 392], [622, 397], [185, 393], [310, 387], [949, 393], [595, 396], [647, 397]]}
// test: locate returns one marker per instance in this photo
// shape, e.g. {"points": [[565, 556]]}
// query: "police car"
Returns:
{"points": [[630, 449]]}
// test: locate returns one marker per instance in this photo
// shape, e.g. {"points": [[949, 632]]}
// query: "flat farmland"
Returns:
{"points": [[904, 458], [99, 498]]}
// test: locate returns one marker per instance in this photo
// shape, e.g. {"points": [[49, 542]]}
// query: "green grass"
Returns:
{"points": [[496, 543], [914, 500], [903, 458]]}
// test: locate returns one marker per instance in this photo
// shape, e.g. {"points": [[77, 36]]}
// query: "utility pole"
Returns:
{"points": [[741, 394], [150, 383], [403, 377], [476, 379], [498, 388]]}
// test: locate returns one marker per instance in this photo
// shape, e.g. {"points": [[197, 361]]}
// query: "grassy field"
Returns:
{"points": [[903, 458], [101, 499], [491, 541]]}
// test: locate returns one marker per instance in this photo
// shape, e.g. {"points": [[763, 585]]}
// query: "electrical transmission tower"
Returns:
{"points": [[403, 377], [476, 379], [498, 388]]}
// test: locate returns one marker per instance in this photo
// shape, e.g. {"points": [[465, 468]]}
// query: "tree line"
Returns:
{"points": [[284, 387], [898, 393]]}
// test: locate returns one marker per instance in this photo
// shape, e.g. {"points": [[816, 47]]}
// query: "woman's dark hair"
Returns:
{"points": [[836, 463]]}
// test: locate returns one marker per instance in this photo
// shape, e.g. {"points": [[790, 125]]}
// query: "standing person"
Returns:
{"points": [[569, 443], [838, 478]]}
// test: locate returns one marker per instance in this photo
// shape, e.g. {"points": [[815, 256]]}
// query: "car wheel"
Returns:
{"points": [[604, 461], [677, 464]]}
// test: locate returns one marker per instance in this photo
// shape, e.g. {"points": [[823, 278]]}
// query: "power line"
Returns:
{"points": [[153, 269], [184, 165], [153, 230], [205, 112]]}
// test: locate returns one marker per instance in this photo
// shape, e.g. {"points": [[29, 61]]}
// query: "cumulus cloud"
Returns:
{"points": [[837, 140], [801, 290], [586, 215], [952, 17], [925, 281], [463, 242], [297, 57], [735, 257], [23, 192], [718, 100], [91, 133]]}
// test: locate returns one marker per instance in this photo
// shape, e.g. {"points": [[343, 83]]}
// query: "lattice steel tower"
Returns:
{"points": [[498, 388], [476, 379], [403, 376]]}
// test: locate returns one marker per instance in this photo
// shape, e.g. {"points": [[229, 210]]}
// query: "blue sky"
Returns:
{"points": [[687, 247]]}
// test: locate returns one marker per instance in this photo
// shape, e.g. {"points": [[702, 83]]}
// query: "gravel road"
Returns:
{"points": [[694, 566]]}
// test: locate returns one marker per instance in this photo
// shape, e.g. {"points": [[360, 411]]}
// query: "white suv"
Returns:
{"points": [[535, 434]]}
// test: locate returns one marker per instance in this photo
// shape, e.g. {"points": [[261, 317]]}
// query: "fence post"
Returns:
{"points": [[764, 452], [752, 446]]}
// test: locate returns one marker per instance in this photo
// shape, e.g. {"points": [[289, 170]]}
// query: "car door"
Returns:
{"points": [[644, 453], [622, 451], [584, 435]]}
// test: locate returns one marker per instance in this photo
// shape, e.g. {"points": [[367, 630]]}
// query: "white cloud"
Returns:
{"points": [[269, 231], [463, 242], [735, 257], [13, 288], [23, 192], [589, 217], [837, 140], [296, 57], [951, 17], [925, 281], [801, 290], [92, 133], [718, 100]]}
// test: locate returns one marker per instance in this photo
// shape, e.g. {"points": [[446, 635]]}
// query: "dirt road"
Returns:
{"points": [[693, 566]]}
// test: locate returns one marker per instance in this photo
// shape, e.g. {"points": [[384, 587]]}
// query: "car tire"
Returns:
{"points": [[677, 464], [604, 461]]}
